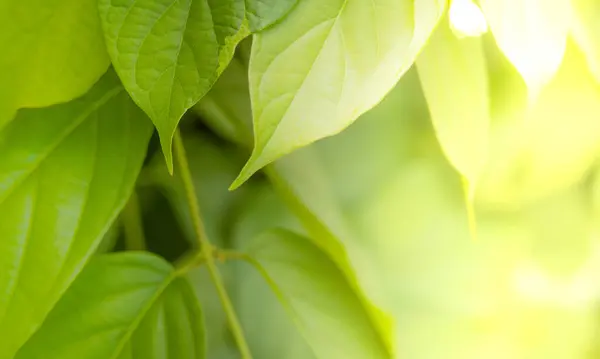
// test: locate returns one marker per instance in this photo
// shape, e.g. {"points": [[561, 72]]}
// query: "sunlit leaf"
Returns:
{"points": [[169, 53], [317, 296], [466, 19], [454, 80], [532, 34], [128, 306], [52, 51], [60, 189], [586, 30], [314, 73], [549, 146]]}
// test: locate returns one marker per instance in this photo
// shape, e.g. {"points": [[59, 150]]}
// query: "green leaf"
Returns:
{"points": [[52, 51], [169, 53], [300, 181], [532, 34], [128, 305], [264, 13], [59, 192], [322, 303], [270, 333], [314, 73], [453, 77], [537, 151], [110, 239], [586, 31]]}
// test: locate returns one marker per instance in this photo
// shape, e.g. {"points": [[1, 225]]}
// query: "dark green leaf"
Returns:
{"points": [[60, 190], [169, 53]]}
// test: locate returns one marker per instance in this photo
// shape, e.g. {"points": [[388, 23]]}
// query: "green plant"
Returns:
{"points": [[131, 228]]}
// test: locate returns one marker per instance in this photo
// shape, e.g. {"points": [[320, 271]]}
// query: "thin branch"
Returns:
{"points": [[206, 247]]}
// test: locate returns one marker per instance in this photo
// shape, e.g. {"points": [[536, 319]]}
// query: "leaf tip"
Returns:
{"points": [[253, 165], [167, 148], [241, 179]]}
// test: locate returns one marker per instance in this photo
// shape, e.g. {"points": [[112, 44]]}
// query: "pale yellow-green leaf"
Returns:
{"points": [[454, 80], [547, 147], [532, 34], [327, 63], [466, 19], [586, 31]]}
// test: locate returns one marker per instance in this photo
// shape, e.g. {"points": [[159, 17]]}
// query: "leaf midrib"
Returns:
{"points": [[68, 131], [334, 23], [141, 314]]}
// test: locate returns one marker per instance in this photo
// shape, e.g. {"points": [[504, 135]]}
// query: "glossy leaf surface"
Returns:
{"points": [[315, 72], [52, 51], [317, 296], [60, 190], [169, 53], [128, 306]]}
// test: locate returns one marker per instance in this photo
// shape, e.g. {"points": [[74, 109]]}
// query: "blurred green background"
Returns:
{"points": [[528, 287]]}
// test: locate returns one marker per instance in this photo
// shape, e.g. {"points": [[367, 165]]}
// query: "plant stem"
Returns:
{"points": [[206, 247], [132, 225]]}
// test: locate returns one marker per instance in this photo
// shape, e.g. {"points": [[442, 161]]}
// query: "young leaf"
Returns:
{"points": [[59, 192], [263, 13], [169, 53], [128, 305], [52, 51], [315, 72], [322, 303], [586, 30], [532, 34], [453, 77]]}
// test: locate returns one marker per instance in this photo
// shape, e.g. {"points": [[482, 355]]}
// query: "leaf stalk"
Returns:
{"points": [[206, 248]]}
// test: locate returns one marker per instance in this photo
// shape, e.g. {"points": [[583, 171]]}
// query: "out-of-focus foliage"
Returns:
{"points": [[359, 246]]}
